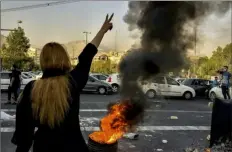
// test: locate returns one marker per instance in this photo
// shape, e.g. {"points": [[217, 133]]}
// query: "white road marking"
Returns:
{"points": [[149, 110], [140, 128]]}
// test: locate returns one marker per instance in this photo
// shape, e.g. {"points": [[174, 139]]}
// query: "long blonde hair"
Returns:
{"points": [[50, 95]]}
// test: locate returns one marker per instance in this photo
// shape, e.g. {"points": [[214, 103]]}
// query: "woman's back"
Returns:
{"points": [[61, 136], [67, 135], [52, 103]]}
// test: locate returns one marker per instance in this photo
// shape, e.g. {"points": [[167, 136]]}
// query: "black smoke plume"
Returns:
{"points": [[164, 41]]}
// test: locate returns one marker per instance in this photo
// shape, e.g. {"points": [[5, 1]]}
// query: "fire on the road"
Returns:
{"points": [[113, 125]]}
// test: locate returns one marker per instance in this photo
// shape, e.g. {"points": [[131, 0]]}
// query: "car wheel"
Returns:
{"points": [[188, 95], [151, 94], [212, 96], [102, 90], [115, 88]]}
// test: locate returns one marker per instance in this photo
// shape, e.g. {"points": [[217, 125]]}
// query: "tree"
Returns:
{"points": [[207, 67], [106, 67], [15, 51]]}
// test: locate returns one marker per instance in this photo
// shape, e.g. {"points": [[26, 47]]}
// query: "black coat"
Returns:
{"points": [[64, 138]]}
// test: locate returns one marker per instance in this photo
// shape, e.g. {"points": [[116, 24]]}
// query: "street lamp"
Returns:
{"points": [[86, 36], [19, 22]]}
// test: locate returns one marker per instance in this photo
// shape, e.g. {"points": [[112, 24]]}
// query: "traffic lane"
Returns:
{"points": [[161, 118], [6, 145], [165, 105], [84, 97], [147, 141], [153, 104], [150, 141], [93, 101], [153, 118]]}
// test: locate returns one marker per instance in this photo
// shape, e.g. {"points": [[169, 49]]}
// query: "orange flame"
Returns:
{"points": [[207, 150], [113, 125]]}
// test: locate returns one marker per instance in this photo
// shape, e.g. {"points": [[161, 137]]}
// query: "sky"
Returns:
{"points": [[66, 22]]}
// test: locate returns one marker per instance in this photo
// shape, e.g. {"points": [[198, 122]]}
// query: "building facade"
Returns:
{"points": [[34, 53]]}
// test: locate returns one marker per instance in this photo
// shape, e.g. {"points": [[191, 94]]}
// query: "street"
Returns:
{"points": [[189, 128]]}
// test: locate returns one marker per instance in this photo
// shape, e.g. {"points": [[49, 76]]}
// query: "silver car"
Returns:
{"points": [[99, 76], [95, 85]]}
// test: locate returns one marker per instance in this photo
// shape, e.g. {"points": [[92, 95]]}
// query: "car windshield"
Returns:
{"points": [[187, 82], [27, 76], [32, 74]]}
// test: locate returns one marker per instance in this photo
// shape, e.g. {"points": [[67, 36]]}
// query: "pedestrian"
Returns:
{"points": [[225, 82], [51, 104], [15, 81], [215, 82]]}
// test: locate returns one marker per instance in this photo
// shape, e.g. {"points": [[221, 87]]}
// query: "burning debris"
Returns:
{"points": [[133, 136], [120, 119]]}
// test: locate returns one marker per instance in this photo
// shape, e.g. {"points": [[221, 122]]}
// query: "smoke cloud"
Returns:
{"points": [[166, 35]]}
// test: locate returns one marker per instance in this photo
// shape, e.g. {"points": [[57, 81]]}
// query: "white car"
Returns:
{"points": [[36, 75], [29, 74], [115, 81], [166, 86], [5, 80], [216, 92]]}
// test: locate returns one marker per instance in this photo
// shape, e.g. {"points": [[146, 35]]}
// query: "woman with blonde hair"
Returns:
{"points": [[51, 103]]}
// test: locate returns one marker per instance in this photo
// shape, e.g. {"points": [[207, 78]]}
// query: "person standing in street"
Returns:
{"points": [[215, 82], [15, 81], [51, 104], [225, 82]]}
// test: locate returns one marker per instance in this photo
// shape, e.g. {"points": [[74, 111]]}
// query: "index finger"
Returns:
{"points": [[111, 17], [107, 17]]}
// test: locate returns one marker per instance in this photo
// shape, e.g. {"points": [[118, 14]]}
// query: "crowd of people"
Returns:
{"points": [[223, 81]]}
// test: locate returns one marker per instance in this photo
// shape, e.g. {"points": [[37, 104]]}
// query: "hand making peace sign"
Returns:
{"points": [[107, 25]]}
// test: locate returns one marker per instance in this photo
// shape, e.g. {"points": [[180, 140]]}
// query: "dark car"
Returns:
{"points": [[201, 86], [95, 85]]}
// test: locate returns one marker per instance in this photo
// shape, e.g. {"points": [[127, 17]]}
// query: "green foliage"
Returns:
{"points": [[106, 67], [15, 50], [207, 67]]}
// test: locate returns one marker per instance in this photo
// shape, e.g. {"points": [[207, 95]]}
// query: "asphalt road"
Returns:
{"points": [[189, 130]]}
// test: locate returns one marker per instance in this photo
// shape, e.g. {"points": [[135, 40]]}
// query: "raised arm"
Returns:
{"points": [[81, 72]]}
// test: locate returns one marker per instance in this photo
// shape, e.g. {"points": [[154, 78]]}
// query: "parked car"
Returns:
{"points": [[29, 75], [216, 92], [5, 80], [99, 76], [166, 86], [95, 85], [201, 86], [115, 81], [37, 74]]}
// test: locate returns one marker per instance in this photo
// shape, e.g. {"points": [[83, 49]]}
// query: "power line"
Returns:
{"points": [[38, 6]]}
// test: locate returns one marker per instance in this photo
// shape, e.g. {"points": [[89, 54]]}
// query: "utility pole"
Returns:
{"points": [[19, 22], [195, 47], [73, 55], [0, 58], [115, 41], [86, 36], [230, 62]]}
